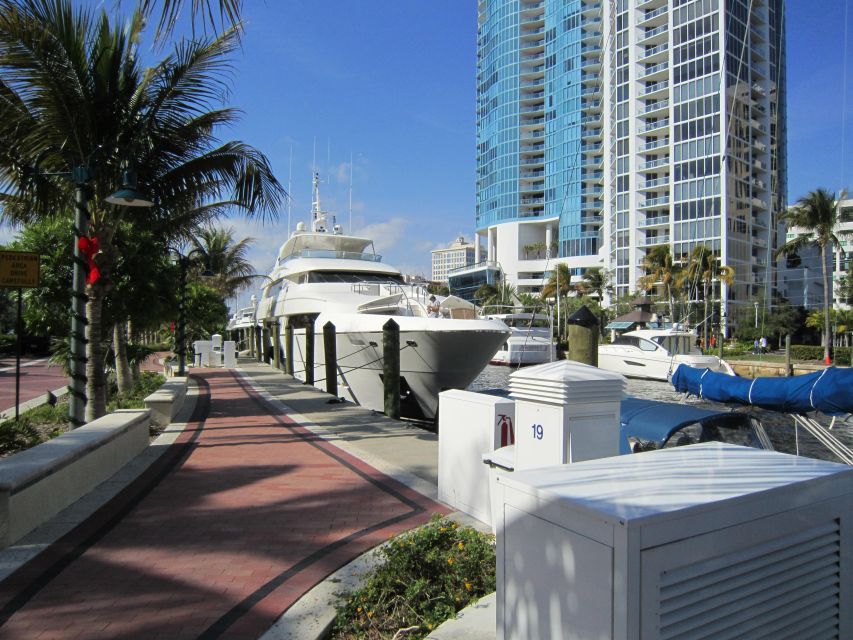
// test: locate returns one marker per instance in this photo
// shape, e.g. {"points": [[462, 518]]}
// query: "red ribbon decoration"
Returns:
{"points": [[90, 247]]}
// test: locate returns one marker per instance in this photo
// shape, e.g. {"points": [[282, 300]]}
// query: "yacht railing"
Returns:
{"points": [[329, 253], [412, 294]]}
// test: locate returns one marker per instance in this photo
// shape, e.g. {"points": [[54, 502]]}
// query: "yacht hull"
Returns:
{"points": [[435, 354], [651, 366], [525, 351]]}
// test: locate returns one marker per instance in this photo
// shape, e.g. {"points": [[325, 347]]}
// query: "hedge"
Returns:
{"points": [[800, 352]]}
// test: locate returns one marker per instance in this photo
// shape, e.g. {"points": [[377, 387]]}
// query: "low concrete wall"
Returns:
{"points": [[38, 483], [758, 369], [165, 402]]}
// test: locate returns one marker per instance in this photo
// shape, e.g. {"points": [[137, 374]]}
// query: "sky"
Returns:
{"points": [[390, 84]]}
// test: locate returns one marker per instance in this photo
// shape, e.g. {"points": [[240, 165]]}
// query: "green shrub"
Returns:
{"points": [[8, 343], [426, 576], [147, 384], [33, 427], [801, 352]]}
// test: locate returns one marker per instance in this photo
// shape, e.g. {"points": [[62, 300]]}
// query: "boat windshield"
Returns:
{"points": [[349, 277], [525, 323], [678, 345], [743, 433]]}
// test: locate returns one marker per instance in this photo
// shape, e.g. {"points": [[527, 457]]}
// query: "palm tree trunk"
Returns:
{"points": [[827, 296], [96, 384], [124, 378]]}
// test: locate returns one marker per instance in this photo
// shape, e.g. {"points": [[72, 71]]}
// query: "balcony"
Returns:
{"points": [[589, 105], [531, 162], [595, 118], [654, 70], [656, 50], [656, 183], [655, 240], [654, 202], [655, 222], [655, 106], [654, 144], [527, 201], [591, 133], [651, 126], [652, 14], [757, 202], [649, 34], [590, 77], [532, 147], [591, 91], [655, 88], [591, 148], [653, 164]]}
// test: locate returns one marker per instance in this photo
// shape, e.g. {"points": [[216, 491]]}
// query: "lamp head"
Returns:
{"points": [[129, 195]]}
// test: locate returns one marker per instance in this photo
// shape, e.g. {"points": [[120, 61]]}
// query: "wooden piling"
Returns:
{"points": [[251, 336], [583, 337], [309, 351], [288, 347], [330, 352], [788, 369], [265, 343], [391, 367], [259, 352]]}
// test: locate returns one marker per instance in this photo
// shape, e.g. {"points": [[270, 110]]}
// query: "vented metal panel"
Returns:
{"points": [[787, 587]]}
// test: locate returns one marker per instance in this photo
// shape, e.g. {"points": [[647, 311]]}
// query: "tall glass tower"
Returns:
{"points": [[607, 128]]}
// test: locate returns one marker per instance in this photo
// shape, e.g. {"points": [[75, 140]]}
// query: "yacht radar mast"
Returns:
{"points": [[318, 216]]}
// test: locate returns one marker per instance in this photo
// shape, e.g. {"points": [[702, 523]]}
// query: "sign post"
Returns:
{"points": [[19, 270]]}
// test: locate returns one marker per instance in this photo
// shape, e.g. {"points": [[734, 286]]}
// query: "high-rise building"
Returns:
{"points": [[459, 254], [607, 128]]}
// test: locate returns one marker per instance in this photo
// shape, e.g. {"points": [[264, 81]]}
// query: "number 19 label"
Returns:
{"points": [[538, 431]]}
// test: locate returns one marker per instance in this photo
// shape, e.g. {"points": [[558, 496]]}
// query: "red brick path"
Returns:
{"points": [[244, 514]]}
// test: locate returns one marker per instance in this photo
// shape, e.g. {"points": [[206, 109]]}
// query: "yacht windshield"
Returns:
{"points": [[351, 276], [678, 345]]}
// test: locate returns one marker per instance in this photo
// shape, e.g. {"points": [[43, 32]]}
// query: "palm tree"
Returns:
{"points": [[204, 10], [703, 267], [225, 258], [816, 218], [562, 274], [76, 96], [660, 270], [594, 281]]}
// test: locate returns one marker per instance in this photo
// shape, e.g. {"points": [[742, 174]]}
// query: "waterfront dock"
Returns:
{"points": [[262, 490]]}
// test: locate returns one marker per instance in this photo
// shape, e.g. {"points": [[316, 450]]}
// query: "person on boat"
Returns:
{"points": [[433, 308]]}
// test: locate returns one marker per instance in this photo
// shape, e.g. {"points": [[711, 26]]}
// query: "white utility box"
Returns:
{"points": [[565, 412], [469, 425], [229, 354], [703, 541], [201, 348]]}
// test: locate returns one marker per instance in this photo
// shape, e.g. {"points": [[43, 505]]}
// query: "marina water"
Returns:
{"points": [[779, 426]]}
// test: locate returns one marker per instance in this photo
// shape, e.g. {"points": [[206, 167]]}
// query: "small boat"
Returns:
{"points": [[530, 341], [652, 424], [656, 353], [324, 275]]}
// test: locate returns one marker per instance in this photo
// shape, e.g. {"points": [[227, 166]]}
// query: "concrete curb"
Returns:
{"points": [[32, 403]]}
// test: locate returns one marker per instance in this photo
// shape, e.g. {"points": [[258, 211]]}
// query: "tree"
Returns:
{"points": [[562, 274], [660, 270], [203, 11], [594, 281], [816, 217], [225, 258], [703, 268], [75, 95]]}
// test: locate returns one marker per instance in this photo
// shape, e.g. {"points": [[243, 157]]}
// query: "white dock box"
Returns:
{"points": [[704, 541], [469, 425], [565, 412]]}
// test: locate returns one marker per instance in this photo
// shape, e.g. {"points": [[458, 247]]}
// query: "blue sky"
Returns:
{"points": [[392, 84]]}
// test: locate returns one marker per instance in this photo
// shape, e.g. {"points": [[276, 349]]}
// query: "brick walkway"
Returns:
{"points": [[244, 514]]}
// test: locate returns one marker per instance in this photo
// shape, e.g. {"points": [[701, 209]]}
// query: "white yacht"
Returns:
{"points": [[655, 354], [530, 341], [322, 275]]}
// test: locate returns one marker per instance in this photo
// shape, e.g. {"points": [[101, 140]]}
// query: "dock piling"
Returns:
{"points": [[330, 351], [391, 367], [288, 347], [309, 351]]}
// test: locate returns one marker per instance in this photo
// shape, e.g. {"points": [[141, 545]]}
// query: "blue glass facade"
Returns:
{"points": [[539, 131]]}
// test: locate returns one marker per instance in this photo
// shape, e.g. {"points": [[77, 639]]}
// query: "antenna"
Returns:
{"points": [[289, 191], [350, 191]]}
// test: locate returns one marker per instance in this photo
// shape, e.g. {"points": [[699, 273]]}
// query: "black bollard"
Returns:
{"points": [[330, 352], [309, 351], [391, 367], [276, 340], [583, 337], [288, 347]]}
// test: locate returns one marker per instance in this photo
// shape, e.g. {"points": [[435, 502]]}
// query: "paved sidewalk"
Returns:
{"points": [[244, 513]]}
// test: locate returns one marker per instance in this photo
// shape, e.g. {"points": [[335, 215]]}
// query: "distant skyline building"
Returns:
{"points": [[607, 128], [459, 254]]}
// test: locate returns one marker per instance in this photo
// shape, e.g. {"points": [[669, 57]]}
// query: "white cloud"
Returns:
{"points": [[385, 235]]}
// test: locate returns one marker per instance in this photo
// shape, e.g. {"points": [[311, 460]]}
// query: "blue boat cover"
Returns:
{"points": [[829, 391]]}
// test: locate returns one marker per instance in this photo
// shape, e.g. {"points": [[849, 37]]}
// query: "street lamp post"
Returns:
{"points": [[183, 264], [81, 176], [756, 314]]}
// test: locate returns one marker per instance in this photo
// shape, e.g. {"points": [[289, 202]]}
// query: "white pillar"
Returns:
{"points": [[548, 241], [491, 245], [476, 247]]}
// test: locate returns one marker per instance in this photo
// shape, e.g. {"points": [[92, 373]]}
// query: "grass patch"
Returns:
{"points": [[45, 422], [426, 577]]}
